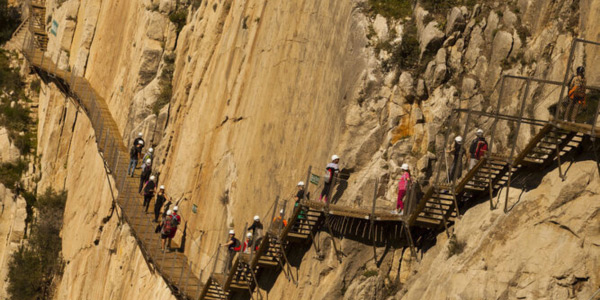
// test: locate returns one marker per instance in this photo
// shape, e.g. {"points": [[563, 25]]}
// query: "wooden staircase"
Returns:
{"points": [[542, 148], [37, 23]]}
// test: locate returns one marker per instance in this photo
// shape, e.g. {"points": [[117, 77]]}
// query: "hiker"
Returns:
{"points": [[576, 95], [332, 169], [139, 139], [146, 171], [149, 190], [248, 243], [134, 156], [459, 153], [478, 148], [403, 185], [302, 213], [176, 214], [279, 222], [165, 232], [176, 220], [148, 156], [233, 246], [160, 200], [256, 227]]}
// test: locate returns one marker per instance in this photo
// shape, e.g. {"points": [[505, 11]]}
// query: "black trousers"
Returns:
{"points": [[147, 199]]}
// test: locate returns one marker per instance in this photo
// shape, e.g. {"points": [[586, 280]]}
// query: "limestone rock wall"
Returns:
{"points": [[12, 230], [263, 89]]}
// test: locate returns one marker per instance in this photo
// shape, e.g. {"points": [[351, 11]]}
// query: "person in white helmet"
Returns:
{"points": [[148, 156], [478, 148], [145, 175], [149, 190], [302, 213], [331, 170], [403, 185], [135, 153], [256, 227], [139, 139], [233, 245], [279, 221], [161, 198], [166, 228], [248, 243], [458, 152]]}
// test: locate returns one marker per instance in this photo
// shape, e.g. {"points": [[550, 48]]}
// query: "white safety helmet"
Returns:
{"points": [[140, 134], [231, 231], [404, 167], [148, 161], [162, 187], [169, 212], [458, 139], [334, 157], [150, 150], [152, 177], [281, 211], [301, 183], [176, 208], [140, 142], [479, 132], [256, 218], [249, 234]]}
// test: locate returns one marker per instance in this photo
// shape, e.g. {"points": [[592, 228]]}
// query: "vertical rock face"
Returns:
{"points": [[12, 231], [263, 89]]}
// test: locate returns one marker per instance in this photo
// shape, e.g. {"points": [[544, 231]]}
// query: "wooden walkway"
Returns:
{"points": [[172, 266]]}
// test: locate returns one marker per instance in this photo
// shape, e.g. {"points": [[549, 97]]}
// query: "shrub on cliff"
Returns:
{"points": [[33, 268], [9, 20]]}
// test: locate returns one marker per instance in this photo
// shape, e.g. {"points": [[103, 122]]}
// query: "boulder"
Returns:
{"points": [[468, 88], [407, 85], [381, 28], [150, 60], [421, 89], [8, 151], [491, 26], [456, 21], [156, 25], [431, 38]]}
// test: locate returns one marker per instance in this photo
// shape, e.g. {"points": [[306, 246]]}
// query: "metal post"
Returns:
{"points": [[116, 161], [372, 219], [512, 151], [181, 277], [564, 84], [307, 182]]}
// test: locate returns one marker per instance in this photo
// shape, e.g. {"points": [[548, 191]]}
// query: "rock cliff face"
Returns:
{"points": [[263, 89], [12, 230]]}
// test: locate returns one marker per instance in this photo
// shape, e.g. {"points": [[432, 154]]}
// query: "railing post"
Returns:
{"points": [[105, 141]]}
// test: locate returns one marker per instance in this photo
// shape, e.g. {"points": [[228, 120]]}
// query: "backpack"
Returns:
{"points": [[328, 175], [237, 246], [481, 146], [578, 89], [132, 152], [168, 225]]}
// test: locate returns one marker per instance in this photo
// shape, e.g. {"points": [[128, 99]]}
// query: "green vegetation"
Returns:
{"points": [[33, 268], [10, 173], [455, 246], [196, 4], [406, 55], [179, 18], [14, 116], [165, 84], [370, 273], [9, 21], [391, 8], [442, 7], [35, 86]]}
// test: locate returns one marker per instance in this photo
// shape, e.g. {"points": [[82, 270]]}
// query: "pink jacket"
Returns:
{"points": [[403, 181]]}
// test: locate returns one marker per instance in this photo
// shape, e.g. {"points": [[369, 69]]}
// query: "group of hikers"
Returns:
{"points": [[170, 219]]}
